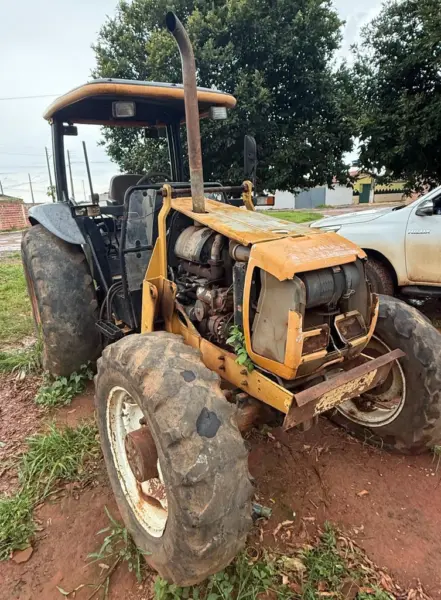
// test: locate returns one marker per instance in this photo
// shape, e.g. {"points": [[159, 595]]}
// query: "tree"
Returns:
{"points": [[398, 80], [51, 192], [275, 56]]}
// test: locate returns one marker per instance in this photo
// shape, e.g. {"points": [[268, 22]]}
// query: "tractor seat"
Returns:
{"points": [[119, 184]]}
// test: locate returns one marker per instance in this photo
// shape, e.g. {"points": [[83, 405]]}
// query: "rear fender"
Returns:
{"points": [[57, 219]]}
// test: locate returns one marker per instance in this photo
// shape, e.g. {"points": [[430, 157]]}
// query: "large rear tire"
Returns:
{"points": [[63, 299], [403, 414], [196, 458]]}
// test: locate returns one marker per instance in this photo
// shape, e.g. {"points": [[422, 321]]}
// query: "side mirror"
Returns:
{"points": [[426, 211], [250, 158]]}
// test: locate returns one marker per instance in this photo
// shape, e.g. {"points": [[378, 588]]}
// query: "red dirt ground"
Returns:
{"points": [[307, 478], [389, 504], [16, 424]]}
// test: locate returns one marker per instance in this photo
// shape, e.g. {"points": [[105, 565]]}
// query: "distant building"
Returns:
{"points": [[6, 198], [365, 188], [13, 213], [316, 197]]}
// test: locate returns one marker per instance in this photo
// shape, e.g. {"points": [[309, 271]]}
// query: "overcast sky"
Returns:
{"points": [[45, 49]]}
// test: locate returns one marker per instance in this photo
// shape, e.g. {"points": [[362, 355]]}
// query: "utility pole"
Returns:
{"points": [[84, 191], [1, 188], [70, 174], [89, 176], [50, 174], [32, 191]]}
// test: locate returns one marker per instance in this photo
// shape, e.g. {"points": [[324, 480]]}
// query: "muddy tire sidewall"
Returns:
{"points": [[63, 298], [209, 500], [379, 277], [153, 547]]}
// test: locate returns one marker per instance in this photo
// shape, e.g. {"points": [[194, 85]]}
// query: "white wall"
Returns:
{"points": [[284, 200], [339, 196]]}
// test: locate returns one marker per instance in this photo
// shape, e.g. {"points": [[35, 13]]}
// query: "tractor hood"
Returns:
{"points": [[362, 216], [289, 256], [280, 247], [244, 226]]}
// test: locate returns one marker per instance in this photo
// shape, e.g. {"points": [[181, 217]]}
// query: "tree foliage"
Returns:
{"points": [[275, 56], [398, 81]]}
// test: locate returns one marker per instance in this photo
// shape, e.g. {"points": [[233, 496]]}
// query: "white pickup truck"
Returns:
{"points": [[403, 244]]}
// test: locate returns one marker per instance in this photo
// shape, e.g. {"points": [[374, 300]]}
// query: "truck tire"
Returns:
{"points": [[196, 456], [379, 277], [63, 299], [403, 414]]}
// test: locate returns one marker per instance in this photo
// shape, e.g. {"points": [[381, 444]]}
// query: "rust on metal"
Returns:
{"points": [[149, 306], [153, 491], [142, 454], [350, 325], [343, 386], [169, 291], [251, 413], [319, 341], [176, 28], [244, 226], [257, 384]]}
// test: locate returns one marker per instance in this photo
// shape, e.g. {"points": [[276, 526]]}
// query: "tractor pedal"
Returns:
{"points": [[109, 330]]}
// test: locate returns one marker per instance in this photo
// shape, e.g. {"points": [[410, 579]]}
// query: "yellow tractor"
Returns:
{"points": [[209, 317]]}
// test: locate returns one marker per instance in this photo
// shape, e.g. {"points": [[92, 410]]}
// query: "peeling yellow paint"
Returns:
{"points": [[347, 390]]}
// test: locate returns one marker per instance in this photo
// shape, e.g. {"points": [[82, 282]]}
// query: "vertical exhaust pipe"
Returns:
{"points": [[176, 28]]}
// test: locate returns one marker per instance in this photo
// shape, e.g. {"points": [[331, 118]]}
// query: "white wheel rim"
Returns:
{"points": [[123, 417], [387, 405]]}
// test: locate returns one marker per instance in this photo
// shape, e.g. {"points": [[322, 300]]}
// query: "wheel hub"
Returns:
{"points": [[142, 457], [141, 454], [382, 404], [136, 461]]}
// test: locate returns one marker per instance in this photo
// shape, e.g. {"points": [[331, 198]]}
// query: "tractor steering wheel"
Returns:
{"points": [[148, 177]]}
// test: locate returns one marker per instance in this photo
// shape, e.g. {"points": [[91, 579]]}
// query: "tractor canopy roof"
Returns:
{"points": [[131, 103]]}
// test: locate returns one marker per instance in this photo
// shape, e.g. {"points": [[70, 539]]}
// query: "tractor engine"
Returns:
{"points": [[204, 280], [333, 303]]}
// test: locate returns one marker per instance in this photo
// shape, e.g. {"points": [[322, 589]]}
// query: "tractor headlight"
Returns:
{"points": [[218, 113], [123, 110]]}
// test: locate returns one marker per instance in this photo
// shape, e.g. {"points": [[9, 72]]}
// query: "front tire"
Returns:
{"points": [[201, 459], [64, 303], [404, 414]]}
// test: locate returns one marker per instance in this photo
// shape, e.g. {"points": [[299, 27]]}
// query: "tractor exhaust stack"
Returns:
{"points": [[176, 28]]}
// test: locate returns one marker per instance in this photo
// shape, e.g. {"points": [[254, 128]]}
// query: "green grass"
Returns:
{"points": [[58, 454], [15, 308], [295, 216], [324, 564], [319, 571], [16, 524], [23, 362], [118, 546], [242, 580], [60, 391]]}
